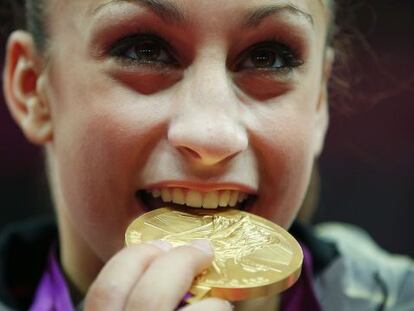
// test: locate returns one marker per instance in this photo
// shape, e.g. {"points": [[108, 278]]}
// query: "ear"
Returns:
{"points": [[322, 119], [21, 88]]}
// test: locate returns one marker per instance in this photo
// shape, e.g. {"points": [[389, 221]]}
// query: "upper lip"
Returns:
{"points": [[202, 186]]}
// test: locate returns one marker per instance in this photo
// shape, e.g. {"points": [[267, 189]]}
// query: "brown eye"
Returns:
{"points": [[269, 55], [144, 49], [265, 58]]}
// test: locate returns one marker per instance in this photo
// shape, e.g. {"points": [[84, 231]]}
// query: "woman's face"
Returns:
{"points": [[200, 100]]}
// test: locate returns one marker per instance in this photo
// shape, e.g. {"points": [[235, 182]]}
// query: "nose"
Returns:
{"points": [[207, 127], [207, 139]]}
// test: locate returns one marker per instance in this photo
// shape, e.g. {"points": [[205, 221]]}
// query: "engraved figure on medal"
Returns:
{"points": [[253, 257], [238, 241]]}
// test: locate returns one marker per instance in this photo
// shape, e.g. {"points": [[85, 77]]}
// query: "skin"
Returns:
{"points": [[110, 128]]}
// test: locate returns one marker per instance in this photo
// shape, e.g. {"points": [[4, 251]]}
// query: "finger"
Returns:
{"points": [[111, 288], [170, 276], [209, 304]]}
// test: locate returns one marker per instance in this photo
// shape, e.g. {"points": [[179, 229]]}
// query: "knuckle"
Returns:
{"points": [[146, 248], [101, 295], [144, 301]]}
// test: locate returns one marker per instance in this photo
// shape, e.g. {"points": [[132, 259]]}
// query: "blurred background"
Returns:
{"points": [[367, 168]]}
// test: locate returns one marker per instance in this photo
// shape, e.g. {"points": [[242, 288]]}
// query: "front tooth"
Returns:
{"points": [[194, 198], [166, 195], [224, 198], [234, 196], [178, 196], [211, 199]]}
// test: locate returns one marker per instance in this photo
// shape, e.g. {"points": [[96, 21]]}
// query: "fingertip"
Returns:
{"points": [[210, 304], [163, 245], [203, 245]]}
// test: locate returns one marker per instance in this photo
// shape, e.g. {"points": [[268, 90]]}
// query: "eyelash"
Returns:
{"points": [[285, 58], [124, 45]]}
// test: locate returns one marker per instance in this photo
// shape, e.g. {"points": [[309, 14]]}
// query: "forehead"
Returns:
{"points": [[315, 9]]}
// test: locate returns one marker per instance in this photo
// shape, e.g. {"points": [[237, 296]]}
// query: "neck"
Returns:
{"points": [[80, 264]]}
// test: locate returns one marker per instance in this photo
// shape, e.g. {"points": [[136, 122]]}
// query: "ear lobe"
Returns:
{"points": [[21, 79], [35, 123]]}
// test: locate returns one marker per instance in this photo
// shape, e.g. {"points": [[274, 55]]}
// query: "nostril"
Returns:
{"points": [[190, 152]]}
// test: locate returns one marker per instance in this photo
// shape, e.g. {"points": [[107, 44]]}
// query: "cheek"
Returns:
{"points": [[101, 141], [284, 144], [96, 170], [102, 132]]}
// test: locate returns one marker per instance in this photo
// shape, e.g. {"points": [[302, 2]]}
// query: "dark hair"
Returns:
{"points": [[24, 14], [11, 16], [35, 22]]}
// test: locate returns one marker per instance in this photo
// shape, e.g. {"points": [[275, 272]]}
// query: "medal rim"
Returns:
{"points": [[236, 293]]}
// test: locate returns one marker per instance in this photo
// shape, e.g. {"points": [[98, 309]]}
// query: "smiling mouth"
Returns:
{"points": [[182, 197]]}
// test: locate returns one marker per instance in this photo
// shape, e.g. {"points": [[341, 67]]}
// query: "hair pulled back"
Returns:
{"points": [[35, 21], [31, 15], [24, 14]]}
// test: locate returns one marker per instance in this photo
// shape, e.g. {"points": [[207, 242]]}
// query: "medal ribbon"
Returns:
{"points": [[301, 296], [52, 293]]}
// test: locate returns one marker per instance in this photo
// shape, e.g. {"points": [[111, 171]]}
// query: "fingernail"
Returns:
{"points": [[203, 245], [164, 245]]}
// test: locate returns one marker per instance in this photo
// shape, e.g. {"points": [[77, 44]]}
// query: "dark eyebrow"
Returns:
{"points": [[166, 10], [255, 17]]}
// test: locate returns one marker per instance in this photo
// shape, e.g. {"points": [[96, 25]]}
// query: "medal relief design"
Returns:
{"points": [[249, 251]]}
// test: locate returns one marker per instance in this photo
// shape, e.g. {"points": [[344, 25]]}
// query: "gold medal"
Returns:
{"points": [[253, 257]]}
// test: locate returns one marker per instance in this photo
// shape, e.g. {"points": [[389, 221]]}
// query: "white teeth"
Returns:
{"points": [[210, 199], [178, 196], [166, 195], [234, 196], [224, 198], [192, 198]]}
